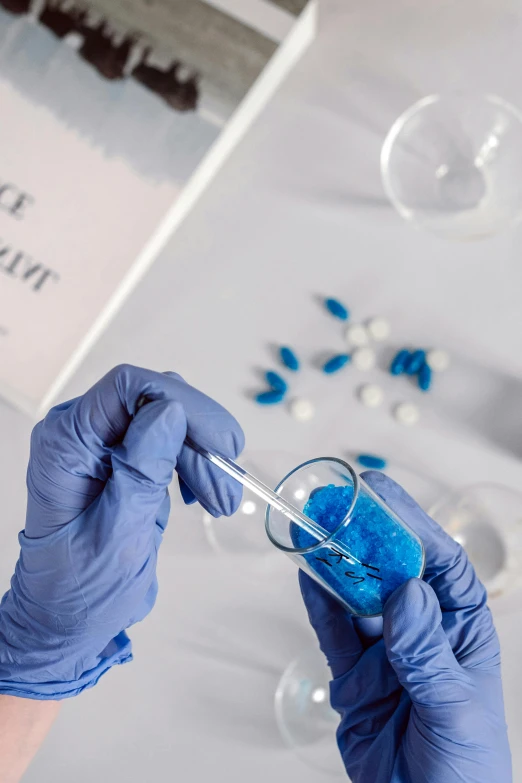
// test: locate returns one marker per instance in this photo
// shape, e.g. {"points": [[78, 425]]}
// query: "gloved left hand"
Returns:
{"points": [[97, 508], [422, 703]]}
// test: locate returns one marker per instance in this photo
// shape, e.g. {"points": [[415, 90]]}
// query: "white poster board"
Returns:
{"points": [[95, 174]]}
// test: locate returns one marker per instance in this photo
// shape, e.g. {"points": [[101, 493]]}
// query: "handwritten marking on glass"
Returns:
{"points": [[357, 577]]}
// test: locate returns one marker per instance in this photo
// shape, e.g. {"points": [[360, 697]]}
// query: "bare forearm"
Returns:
{"points": [[24, 724]]}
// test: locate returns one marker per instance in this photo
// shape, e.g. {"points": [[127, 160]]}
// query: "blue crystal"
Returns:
{"points": [[386, 554]]}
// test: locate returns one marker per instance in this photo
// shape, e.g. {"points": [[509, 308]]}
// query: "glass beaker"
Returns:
{"points": [[367, 551]]}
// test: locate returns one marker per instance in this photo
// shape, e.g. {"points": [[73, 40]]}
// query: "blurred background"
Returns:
{"points": [[296, 128]]}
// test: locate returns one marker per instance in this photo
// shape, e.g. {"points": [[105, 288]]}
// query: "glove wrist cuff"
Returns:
{"points": [[28, 673]]}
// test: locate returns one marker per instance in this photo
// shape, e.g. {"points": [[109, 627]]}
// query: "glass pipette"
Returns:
{"points": [[267, 495]]}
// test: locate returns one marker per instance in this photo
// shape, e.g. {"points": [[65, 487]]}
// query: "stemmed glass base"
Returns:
{"points": [[305, 718]]}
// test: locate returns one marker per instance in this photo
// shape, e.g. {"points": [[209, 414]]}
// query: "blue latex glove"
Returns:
{"points": [[422, 703], [97, 508]]}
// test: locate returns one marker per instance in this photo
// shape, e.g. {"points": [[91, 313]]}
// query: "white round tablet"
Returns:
{"points": [[379, 329], [363, 358], [356, 335], [371, 395], [406, 413], [302, 409], [437, 360]]}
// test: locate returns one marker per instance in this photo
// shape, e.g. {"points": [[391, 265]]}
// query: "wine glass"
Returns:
{"points": [[452, 164], [486, 519], [303, 713]]}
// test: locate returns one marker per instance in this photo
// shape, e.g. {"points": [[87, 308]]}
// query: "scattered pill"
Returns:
{"points": [[364, 358], [424, 377], [371, 461], [415, 362], [289, 358], [379, 329], [275, 381], [336, 363], [406, 413], [398, 364], [271, 397], [371, 395], [356, 335], [437, 360], [301, 409], [337, 309]]}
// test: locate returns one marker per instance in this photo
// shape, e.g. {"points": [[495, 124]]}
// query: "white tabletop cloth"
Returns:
{"points": [[297, 212]]}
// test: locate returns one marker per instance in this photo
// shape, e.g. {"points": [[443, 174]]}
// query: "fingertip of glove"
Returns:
{"points": [[412, 601], [374, 476], [369, 629], [413, 592], [225, 500], [380, 483], [187, 495], [234, 440], [231, 500]]}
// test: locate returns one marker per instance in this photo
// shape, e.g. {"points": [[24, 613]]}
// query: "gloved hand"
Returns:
{"points": [[423, 703], [97, 508]]}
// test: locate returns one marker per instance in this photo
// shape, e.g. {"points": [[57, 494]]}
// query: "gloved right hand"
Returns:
{"points": [[97, 509], [423, 703]]}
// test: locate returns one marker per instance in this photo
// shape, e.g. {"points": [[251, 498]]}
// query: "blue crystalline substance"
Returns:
{"points": [[388, 554]]}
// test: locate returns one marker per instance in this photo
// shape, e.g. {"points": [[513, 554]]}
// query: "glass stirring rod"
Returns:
{"points": [[269, 496]]}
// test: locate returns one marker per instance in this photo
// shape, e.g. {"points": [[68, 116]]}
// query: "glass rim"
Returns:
{"points": [[403, 208], [328, 538]]}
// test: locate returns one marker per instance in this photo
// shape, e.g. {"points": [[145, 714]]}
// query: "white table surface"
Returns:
{"points": [[298, 211]]}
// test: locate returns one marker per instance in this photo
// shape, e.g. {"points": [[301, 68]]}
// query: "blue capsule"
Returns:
{"points": [[271, 397], [289, 358], [415, 362], [337, 309], [371, 461], [275, 381], [336, 363], [398, 364], [424, 378]]}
